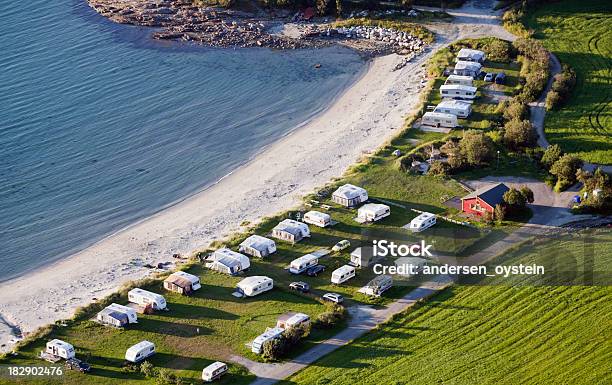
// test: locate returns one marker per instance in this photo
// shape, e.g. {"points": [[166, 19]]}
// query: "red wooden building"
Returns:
{"points": [[484, 199]]}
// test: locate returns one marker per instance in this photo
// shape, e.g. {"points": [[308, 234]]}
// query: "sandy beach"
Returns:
{"points": [[361, 119]]}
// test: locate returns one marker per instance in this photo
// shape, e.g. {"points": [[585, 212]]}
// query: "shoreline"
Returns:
{"points": [[360, 119]]}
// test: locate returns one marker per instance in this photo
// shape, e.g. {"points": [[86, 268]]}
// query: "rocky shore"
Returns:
{"points": [[219, 27]]}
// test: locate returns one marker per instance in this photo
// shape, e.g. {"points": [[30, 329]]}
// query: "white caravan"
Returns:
{"points": [[214, 371], [467, 68], [140, 351], [460, 79], [269, 334], [373, 212], [377, 286], [131, 313], [349, 195], [290, 320], [422, 222], [252, 286], [143, 298], [457, 91], [228, 261], [258, 246], [291, 230], [317, 218], [473, 55], [303, 263], [60, 348], [455, 107], [438, 119], [342, 274], [194, 279]]}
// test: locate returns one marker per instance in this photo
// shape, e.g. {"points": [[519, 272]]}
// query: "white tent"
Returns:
{"points": [[258, 246], [457, 91], [291, 230], [252, 286], [131, 313], [144, 297], [454, 107], [317, 218], [228, 261], [467, 54], [349, 195], [459, 79], [373, 212], [438, 119]]}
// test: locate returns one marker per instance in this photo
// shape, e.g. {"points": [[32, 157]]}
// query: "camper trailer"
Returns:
{"points": [[131, 313], [342, 274], [144, 298], [182, 283], [473, 55], [258, 246], [377, 286], [349, 195], [438, 119], [362, 257], [252, 286], [372, 212], [456, 91], [303, 263], [459, 79], [415, 262], [317, 218], [289, 320], [291, 231], [467, 68], [227, 261], [60, 349], [112, 318], [269, 334], [422, 222], [454, 107], [140, 351], [214, 371]]}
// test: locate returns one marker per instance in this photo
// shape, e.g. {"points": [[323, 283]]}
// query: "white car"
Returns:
{"points": [[333, 297], [343, 244]]}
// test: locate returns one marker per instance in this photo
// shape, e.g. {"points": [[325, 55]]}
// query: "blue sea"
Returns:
{"points": [[101, 126]]}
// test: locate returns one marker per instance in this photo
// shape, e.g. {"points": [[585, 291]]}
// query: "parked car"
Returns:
{"points": [[300, 286], [76, 364], [315, 270], [343, 244], [500, 78], [333, 297], [490, 77]]}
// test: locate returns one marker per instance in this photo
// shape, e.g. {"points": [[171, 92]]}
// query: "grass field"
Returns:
{"points": [[579, 33], [489, 334]]}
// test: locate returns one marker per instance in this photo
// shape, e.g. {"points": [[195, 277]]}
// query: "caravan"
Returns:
{"points": [[252, 286], [460, 79], [467, 68], [128, 311], [228, 261], [143, 298], [291, 231], [60, 349], [290, 320], [377, 286], [112, 317], [438, 119], [350, 196], [456, 91], [471, 55], [342, 274], [455, 107], [182, 282], [269, 334], [214, 371], [363, 257], [372, 212], [303, 263], [140, 351], [317, 218], [257, 246], [422, 222]]}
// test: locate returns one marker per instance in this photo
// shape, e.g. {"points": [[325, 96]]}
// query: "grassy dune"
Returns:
{"points": [[489, 334], [579, 33]]}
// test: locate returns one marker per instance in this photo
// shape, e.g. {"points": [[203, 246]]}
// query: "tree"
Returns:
{"points": [[339, 8], [477, 147], [551, 155], [274, 349], [147, 369], [438, 168], [565, 170], [514, 198], [527, 194], [516, 110], [519, 133], [500, 212]]}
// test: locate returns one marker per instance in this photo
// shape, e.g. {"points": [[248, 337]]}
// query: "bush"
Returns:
{"points": [[330, 318], [516, 110], [513, 197], [476, 147], [147, 369], [562, 88], [519, 134], [500, 213], [274, 349], [565, 170], [439, 168], [551, 155]]}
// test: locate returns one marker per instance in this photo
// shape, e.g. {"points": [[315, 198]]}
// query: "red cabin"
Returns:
{"points": [[484, 199]]}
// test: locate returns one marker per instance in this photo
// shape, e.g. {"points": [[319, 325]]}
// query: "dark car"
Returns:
{"points": [[315, 270], [76, 364], [300, 286], [500, 78]]}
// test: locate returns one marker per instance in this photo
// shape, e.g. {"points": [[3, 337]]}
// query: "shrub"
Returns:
{"points": [[477, 147], [330, 318], [527, 193], [553, 99], [165, 376], [500, 213], [513, 197], [147, 369], [274, 349], [439, 168], [516, 110], [565, 170], [562, 88], [519, 134], [551, 155]]}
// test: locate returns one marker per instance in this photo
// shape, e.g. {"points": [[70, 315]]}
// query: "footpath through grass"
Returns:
{"points": [[489, 334], [579, 33]]}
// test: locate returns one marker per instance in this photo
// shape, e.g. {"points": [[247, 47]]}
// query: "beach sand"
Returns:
{"points": [[366, 115]]}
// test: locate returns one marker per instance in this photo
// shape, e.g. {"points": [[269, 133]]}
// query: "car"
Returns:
{"points": [[343, 244], [333, 297], [490, 77], [315, 270], [76, 364], [500, 78], [300, 286]]}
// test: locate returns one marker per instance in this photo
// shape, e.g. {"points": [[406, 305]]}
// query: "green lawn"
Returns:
{"points": [[489, 334], [579, 33]]}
